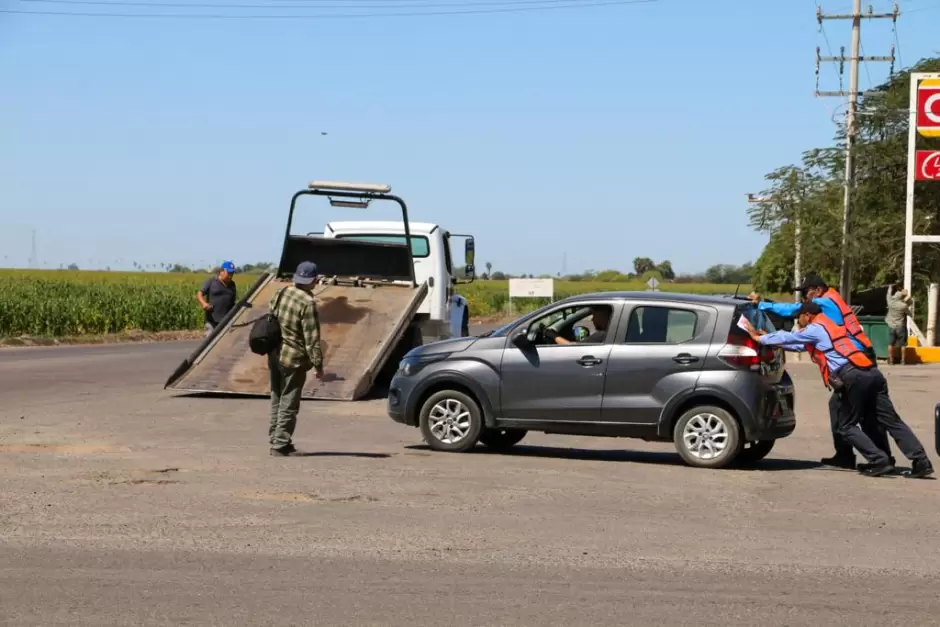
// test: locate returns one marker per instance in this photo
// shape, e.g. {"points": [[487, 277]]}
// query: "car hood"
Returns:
{"points": [[453, 345]]}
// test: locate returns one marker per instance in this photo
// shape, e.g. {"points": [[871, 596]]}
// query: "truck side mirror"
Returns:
{"points": [[469, 255]]}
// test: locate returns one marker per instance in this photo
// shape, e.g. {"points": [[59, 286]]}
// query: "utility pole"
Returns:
{"points": [[797, 239], [33, 256], [851, 126]]}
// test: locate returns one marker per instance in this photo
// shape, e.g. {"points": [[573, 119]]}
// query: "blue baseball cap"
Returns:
{"points": [[306, 273], [228, 266]]}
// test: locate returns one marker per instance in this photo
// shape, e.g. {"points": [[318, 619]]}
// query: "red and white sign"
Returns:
{"points": [[928, 108], [928, 165]]}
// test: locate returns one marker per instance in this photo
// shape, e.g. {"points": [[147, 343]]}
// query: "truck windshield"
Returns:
{"points": [[419, 243]]}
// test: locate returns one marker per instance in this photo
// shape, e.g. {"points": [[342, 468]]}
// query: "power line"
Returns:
{"points": [[392, 4], [222, 16]]}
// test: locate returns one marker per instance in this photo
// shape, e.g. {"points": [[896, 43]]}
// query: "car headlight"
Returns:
{"points": [[411, 365]]}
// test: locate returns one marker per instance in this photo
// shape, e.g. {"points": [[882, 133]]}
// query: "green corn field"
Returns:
{"points": [[61, 303]]}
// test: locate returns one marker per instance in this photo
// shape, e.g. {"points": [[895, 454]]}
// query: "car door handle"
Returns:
{"points": [[684, 358], [589, 360]]}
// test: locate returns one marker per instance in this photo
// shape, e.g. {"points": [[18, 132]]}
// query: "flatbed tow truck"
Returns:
{"points": [[378, 297]]}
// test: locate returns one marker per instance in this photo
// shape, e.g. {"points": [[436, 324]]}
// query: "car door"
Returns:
{"points": [[555, 382], [659, 350]]}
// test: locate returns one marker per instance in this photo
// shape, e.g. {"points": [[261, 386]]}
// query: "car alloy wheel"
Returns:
{"points": [[707, 437], [451, 421]]}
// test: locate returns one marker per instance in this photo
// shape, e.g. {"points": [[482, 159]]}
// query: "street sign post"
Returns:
{"points": [[922, 165], [531, 288], [652, 284]]}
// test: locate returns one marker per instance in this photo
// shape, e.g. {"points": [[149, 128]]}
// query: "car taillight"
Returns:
{"points": [[741, 352]]}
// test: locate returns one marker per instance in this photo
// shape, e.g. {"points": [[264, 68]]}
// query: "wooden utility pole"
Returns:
{"points": [[851, 126]]}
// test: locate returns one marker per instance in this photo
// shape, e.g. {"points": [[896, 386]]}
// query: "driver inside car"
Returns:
{"points": [[600, 317]]}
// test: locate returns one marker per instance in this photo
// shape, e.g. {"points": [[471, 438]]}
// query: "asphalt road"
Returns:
{"points": [[125, 504]]}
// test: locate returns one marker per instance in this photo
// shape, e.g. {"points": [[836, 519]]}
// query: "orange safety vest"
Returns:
{"points": [[849, 319], [841, 344]]}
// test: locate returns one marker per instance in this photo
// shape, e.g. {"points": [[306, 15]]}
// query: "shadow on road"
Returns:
{"points": [[341, 454], [637, 457]]}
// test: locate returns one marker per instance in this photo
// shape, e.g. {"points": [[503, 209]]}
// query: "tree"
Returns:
{"points": [[814, 189], [665, 270], [489, 268], [73, 266], [641, 265]]}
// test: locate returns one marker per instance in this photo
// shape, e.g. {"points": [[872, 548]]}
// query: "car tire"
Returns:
{"points": [[451, 421], [756, 451], [502, 439], [707, 437]]}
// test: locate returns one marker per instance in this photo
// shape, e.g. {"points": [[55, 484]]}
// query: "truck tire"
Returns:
{"points": [[756, 451], [450, 421], [707, 437], [410, 339]]}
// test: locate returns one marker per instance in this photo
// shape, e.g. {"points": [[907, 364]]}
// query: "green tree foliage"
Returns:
{"points": [[812, 191]]}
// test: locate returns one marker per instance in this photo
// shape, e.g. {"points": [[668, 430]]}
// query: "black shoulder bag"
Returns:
{"points": [[265, 334]]}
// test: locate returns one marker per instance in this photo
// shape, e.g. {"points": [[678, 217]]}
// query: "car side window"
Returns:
{"points": [[660, 325], [564, 323]]}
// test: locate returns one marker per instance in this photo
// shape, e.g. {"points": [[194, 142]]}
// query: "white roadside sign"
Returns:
{"points": [[652, 283], [531, 288]]}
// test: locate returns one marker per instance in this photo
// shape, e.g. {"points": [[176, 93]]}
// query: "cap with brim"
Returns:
{"points": [[811, 281], [228, 266], [306, 273]]}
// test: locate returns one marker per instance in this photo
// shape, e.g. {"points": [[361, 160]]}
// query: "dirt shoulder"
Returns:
{"points": [[108, 338]]}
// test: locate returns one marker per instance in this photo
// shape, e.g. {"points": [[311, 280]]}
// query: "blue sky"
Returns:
{"points": [[595, 133]]}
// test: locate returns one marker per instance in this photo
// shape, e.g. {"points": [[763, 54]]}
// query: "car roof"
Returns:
{"points": [[658, 297]]}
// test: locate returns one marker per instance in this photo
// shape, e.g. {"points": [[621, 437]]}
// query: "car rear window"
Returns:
{"points": [[758, 319]]}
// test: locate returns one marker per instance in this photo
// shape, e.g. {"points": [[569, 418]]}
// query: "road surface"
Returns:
{"points": [[123, 504]]}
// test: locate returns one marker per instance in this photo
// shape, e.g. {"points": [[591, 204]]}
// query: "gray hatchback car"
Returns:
{"points": [[650, 365]]}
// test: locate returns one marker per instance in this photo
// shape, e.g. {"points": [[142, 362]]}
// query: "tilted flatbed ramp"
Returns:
{"points": [[359, 328]]}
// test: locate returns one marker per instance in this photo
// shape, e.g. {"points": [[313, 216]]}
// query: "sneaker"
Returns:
{"points": [[919, 470], [866, 465], [839, 461], [878, 470]]}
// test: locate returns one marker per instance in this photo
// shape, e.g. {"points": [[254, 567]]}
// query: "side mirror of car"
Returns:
{"points": [[580, 333], [521, 339]]}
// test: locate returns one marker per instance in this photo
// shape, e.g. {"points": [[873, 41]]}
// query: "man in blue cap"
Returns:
{"points": [[217, 295], [299, 352]]}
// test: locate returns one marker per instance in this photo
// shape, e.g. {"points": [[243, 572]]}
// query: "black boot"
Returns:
{"points": [[920, 469], [866, 465], [839, 460]]}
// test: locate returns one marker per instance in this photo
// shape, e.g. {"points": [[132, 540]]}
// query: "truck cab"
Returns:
{"points": [[440, 314]]}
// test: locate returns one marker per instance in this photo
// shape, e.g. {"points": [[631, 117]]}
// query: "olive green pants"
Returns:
{"points": [[286, 387]]}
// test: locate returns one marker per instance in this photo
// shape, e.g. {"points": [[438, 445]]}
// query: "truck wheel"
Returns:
{"points": [[410, 339], [502, 439], [707, 437], [451, 421], [756, 451]]}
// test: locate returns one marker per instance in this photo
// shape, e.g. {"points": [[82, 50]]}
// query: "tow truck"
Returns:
{"points": [[384, 288]]}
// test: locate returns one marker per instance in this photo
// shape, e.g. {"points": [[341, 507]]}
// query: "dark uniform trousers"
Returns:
{"points": [[864, 398]]}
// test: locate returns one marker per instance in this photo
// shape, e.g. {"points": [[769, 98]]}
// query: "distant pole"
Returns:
{"points": [[34, 255]]}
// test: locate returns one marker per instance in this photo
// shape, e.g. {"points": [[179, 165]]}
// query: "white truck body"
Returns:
{"points": [[440, 313]]}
